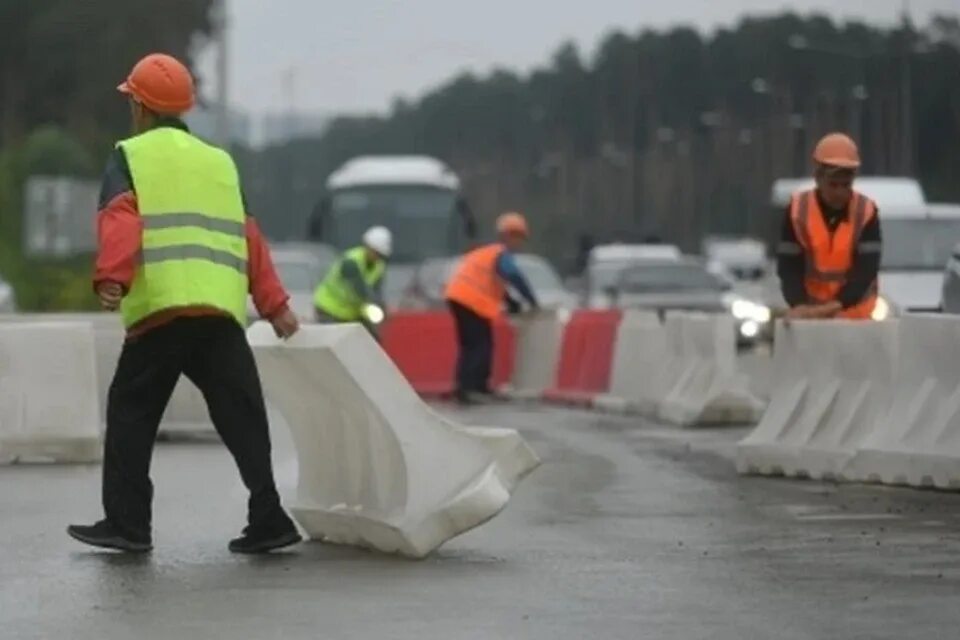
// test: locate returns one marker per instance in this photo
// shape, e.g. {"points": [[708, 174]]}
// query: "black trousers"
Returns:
{"points": [[214, 354], [475, 342]]}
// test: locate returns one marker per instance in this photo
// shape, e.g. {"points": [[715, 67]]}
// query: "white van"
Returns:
{"points": [[918, 238]]}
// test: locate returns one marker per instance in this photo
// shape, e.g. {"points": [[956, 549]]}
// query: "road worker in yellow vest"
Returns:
{"points": [[178, 254], [352, 290]]}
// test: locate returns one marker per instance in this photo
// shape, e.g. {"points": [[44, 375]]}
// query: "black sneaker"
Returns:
{"points": [[254, 542], [106, 536], [463, 398]]}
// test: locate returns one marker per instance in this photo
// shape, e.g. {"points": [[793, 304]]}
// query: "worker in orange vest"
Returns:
{"points": [[829, 254], [476, 295]]}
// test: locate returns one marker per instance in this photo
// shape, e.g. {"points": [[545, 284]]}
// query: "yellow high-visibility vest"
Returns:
{"points": [[194, 237], [336, 297]]}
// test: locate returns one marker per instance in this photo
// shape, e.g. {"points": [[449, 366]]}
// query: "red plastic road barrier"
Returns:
{"points": [[424, 347], [586, 357]]}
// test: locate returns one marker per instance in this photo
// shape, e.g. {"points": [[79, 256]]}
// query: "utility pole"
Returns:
{"points": [[906, 93], [221, 36]]}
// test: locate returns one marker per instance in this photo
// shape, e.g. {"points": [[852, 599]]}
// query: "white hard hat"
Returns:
{"points": [[379, 239]]}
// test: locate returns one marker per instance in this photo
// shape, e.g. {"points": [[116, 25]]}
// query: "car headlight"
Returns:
{"points": [[882, 310], [743, 309], [750, 329]]}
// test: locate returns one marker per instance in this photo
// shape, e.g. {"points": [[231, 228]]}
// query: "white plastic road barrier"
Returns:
{"points": [[538, 339], [643, 370], [186, 413], [108, 342], [709, 388], [917, 441], [49, 408], [377, 467], [832, 382]]}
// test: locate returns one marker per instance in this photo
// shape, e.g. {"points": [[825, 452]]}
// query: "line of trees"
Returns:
{"points": [[674, 133], [59, 63]]}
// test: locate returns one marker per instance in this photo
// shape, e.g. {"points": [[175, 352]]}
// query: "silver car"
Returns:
{"points": [[689, 285], [300, 267], [425, 289]]}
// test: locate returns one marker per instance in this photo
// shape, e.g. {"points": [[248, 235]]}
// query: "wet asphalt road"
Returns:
{"points": [[627, 531]]}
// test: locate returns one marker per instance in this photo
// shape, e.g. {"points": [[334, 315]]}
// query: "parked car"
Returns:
{"points": [[745, 258], [607, 261], [689, 284], [300, 267], [425, 290]]}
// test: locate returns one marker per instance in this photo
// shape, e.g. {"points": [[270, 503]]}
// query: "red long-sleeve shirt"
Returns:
{"points": [[120, 234]]}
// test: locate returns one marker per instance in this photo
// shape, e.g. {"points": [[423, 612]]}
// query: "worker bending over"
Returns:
{"points": [[829, 254], [178, 254], [352, 290], [476, 295]]}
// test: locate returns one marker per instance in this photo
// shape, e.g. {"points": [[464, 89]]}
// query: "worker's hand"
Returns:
{"points": [[831, 309], [826, 310], [814, 311], [111, 294], [285, 324]]}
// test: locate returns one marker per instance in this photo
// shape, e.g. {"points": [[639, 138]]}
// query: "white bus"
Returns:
{"points": [[417, 197]]}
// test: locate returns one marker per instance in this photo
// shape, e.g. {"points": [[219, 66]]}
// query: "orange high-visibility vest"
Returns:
{"points": [[830, 255], [476, 285]]}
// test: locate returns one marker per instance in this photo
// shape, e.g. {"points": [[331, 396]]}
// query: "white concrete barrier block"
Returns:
{"points": [[708, 389], [377, 467], [917, 441], [186, 412], [831, 384], [49, 408], [538, 341], [108, 342], [643, 371]]}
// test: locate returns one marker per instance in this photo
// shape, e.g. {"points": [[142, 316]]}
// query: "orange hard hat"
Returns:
{"points": [[162, 84], [513, 223], [837, 150]]}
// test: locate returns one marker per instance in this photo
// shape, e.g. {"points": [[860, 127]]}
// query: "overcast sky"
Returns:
{"points": [[357, 55]]}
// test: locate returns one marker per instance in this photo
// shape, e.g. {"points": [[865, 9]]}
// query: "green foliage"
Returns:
{"points": [[60, 61], [51, 151]]}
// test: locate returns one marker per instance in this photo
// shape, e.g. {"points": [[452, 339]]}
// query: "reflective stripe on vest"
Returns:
{"points": [[194, 247], [336, 297], [830, 255], [476, 285]]}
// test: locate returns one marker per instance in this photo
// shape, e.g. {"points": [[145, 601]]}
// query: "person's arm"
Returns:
{"points": [[791, 264], [350, 271], [119, 227], [866, 265], [376, 293], [269, 295], [508, 270]]}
